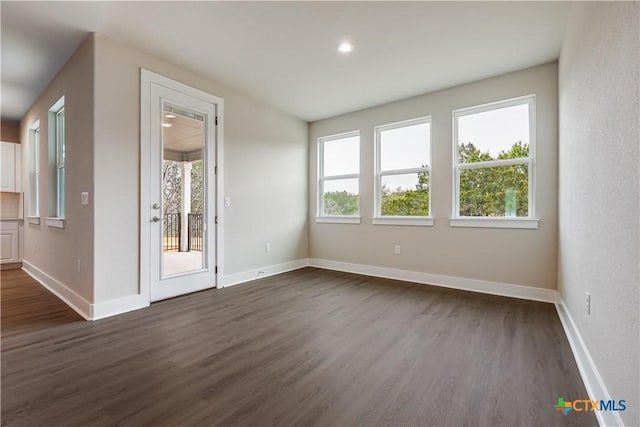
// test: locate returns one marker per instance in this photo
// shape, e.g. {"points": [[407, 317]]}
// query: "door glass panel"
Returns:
{"points": [[183, 192]]}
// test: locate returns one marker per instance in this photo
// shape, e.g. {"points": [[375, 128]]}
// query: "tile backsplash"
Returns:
{"points": [[10, 205]]}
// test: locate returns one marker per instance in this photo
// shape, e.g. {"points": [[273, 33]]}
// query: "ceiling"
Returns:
{"points": [[284, 53], [184, 135]]}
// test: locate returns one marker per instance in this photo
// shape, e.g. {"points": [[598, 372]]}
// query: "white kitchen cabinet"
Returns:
{"points": [[9, 243], [10, 167]]}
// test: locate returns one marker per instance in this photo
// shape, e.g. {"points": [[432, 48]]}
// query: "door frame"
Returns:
{"points": [[147, 78]]}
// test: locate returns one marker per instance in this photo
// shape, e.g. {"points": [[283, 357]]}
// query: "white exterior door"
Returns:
{"points": [[178, 196]]}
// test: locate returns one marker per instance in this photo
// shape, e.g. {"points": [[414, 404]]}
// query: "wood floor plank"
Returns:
{"points": [[309, 347]]}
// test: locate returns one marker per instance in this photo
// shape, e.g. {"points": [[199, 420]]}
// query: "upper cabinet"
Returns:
{"points": [[10, 167]]}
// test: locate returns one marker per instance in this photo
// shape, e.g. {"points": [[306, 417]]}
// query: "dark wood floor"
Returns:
{"points": [[310, 347]]}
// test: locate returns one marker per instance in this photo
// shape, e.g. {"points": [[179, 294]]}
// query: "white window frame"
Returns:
{"points": [[336, 219], [60, 159], [57, 142], [33, 216], [378, 218], [530, 221]]}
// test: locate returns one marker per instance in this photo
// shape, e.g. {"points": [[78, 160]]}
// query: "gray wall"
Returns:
{"points": [[265, 173], [56, 251], [599, 190], [522, 257]]}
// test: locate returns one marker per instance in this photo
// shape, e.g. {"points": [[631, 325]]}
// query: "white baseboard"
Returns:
{"points": [[133, 302], [70, 297], [259, 273], [482, 286], [588, 371], [115, 306], [83, 307]]}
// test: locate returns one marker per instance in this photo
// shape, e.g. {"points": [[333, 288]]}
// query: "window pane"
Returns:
{"points": [[341, 197], [33, 172], [33, 150], [60, 143], [405, 195], [33, 194], [341, 156], [405, 147], [37, 196], [491, 135], [495, 192], [60, 193]]}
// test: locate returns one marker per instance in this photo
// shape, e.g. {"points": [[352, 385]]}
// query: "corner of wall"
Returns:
{"points": [[65, 255]]}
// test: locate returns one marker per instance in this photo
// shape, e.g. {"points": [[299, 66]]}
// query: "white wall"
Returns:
{"points": [[265, 173], [521, 257], [56, 251], [599, 191]]}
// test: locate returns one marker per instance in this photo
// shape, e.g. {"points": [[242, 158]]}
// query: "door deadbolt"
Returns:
{"points": [[155, 219], [155, 206]]}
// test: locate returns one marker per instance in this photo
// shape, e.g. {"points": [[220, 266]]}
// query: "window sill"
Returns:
{"points": [[54, 222], [523, 223], [338, 219], [33, 220], [422, 221]]}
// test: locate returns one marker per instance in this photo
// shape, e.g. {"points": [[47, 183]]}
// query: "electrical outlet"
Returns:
{"points": [[588, 303], [397, 250], [267, 247]]}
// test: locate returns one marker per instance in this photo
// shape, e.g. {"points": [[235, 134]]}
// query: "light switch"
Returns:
{"points": [[227, 202], [84, 198]]}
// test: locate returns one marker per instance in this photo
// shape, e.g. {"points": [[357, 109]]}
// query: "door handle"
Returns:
{"points": [[155, 219]]}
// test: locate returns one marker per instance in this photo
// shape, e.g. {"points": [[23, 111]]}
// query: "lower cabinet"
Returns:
{"points": [[9, 167], [9, 242]]}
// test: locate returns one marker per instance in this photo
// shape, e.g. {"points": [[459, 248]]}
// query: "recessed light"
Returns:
{"points": [[167, 125], [170, 116], [345, 47]]}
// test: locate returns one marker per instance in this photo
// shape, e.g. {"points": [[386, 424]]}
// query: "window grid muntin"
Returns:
{"points": [[60, 162]]}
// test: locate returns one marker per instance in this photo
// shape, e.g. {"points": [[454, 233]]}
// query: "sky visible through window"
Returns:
{"points": [[495, 130], [337, 185], [342, 156], [404, 148]]}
